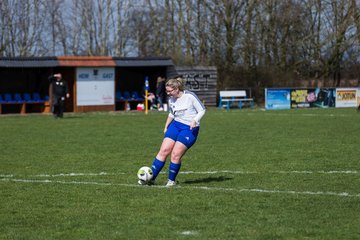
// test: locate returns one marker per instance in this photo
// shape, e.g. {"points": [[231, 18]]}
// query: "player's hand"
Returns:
{"points": [[192, 124]]}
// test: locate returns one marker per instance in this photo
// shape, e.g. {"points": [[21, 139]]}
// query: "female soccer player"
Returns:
{"points": [[181, 128]]}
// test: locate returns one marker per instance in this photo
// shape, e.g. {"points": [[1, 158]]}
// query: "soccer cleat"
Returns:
{"points": [[170, 183]]}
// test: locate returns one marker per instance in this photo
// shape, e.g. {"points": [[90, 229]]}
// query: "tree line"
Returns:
{"points": [[253, 43]]}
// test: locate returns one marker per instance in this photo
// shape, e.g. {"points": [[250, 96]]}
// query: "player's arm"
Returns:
{"points": [[200, 109], [169, 119], [51, 78], [67, 89]]}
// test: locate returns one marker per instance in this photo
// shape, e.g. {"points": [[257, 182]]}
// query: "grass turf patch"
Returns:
{"points": [[252, 175]]}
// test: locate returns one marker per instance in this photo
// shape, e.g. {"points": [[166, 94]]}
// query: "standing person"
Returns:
{"points": [[160, 93], [59, 90], [181, 129]]}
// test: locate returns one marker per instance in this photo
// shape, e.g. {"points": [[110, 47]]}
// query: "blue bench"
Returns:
{"points": [[23, 100], [127, 97]]}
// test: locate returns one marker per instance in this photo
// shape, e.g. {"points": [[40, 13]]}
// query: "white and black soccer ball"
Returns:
{"points": [[145, 174]]}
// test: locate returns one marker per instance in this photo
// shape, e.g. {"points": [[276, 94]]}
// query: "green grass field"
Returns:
{"points": [[291, 174]]}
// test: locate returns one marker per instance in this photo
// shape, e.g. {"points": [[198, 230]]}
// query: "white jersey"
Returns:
{"points": [[186, 108]]}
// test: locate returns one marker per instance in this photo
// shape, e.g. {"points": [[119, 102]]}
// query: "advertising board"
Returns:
{"points": [[95, 86], [277, 98], [346, 97]]}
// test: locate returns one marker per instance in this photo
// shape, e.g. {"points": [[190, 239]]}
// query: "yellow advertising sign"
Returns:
{"points": [[346, 97], [299, 95]]}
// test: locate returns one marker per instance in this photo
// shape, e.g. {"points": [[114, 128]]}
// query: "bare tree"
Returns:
{"points": [[339, 36], [202, 34], [120, 29], [252, 42], [75, 30], [22, 25], [5, 26]]}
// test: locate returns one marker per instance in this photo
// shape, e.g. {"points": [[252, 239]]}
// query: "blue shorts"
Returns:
{"points": [[181, 132]]}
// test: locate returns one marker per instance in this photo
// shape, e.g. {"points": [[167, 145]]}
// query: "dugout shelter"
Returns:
{"points": [[96, 83]]}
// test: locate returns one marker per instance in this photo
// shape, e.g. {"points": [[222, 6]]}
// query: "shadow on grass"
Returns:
{"points": [[208, 180]]}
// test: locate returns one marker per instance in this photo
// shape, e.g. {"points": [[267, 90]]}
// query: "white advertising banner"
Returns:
{"points": [[95, 86], [346, 97]]}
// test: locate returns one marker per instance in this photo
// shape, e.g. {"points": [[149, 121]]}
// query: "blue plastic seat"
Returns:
{"points": [[126, 95], [17, 97], [118, 96], [27, 97], [135, 95], [8, 97], [1, 99], [36, 97]]}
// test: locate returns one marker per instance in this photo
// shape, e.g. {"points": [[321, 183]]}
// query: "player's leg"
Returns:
{"points": [[54, 110], [61, 108], [178, 151], [185, 140], [54, 103], [165, 149], [159, 161]]}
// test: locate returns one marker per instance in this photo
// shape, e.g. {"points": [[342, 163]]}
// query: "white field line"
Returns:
{"points": [[188, 233], [272, 172], [240, 190], [6, 175], [190, 172], [77, 174]]}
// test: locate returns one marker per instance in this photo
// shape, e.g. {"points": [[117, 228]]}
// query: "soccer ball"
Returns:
{"points": [[145, 174]]}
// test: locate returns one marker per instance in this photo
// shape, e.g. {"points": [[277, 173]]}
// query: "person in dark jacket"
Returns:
{"points": [[60, 91], [160, 93]]}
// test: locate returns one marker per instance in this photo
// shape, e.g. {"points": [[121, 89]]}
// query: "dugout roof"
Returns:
{"points": [[28, 62], [83, 61], [143, 62]]}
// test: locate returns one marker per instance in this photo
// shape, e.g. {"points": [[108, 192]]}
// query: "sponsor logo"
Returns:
{"points": [[107, 75], [83, 75]]}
